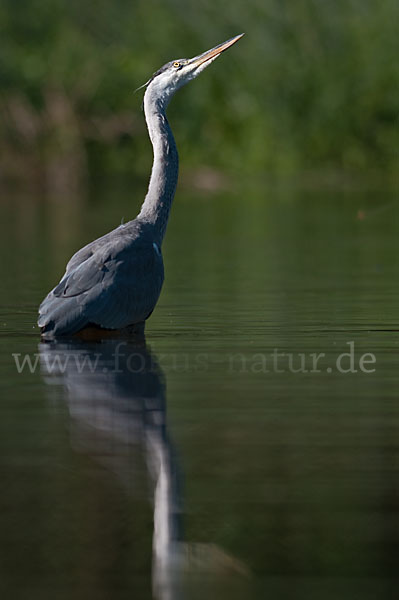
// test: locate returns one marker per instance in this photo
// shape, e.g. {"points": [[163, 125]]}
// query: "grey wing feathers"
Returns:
{"points": [[112, 284], [84, 253]]}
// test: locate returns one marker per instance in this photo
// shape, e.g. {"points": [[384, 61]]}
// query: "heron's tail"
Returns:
{"points": [[60, 316]]}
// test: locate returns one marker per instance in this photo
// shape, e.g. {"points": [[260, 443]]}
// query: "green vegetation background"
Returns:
{"points": [[312, 87]]}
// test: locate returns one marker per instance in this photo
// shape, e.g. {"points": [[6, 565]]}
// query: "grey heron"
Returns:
{"points": [[112, 285]]}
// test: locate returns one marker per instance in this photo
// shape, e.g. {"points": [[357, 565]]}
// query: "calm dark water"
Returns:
{"points": [[250, 448]]}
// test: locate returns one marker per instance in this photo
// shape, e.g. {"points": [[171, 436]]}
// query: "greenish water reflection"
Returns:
{"points": [[289, 473]]}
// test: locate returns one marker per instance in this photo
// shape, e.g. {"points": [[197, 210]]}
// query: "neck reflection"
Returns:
{"points": [[116, 397]]}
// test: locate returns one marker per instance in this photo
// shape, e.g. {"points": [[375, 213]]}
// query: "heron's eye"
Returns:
{"points": [[176, 65]]}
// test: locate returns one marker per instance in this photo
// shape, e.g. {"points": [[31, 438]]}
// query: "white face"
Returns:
{"points": [[165, 82], [174, 75]]}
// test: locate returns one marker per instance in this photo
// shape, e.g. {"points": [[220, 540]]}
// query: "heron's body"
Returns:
{"points": [[100, 287], [114, 282]]}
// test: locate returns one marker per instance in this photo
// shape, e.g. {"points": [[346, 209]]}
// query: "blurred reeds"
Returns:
{"points": [[313, 87]]}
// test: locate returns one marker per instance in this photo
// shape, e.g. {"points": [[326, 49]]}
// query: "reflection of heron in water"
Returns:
{"points": [[115, 392]]}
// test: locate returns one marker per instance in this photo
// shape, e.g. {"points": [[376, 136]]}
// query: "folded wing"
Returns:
{"points": [[111, 285]]}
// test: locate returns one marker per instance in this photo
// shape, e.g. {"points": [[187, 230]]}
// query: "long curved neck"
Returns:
{"points": [[156, 206]]}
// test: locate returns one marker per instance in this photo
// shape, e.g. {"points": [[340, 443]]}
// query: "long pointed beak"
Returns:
{"points": [[214, 52]]}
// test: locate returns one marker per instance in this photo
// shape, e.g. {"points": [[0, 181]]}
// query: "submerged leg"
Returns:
{"points": [[93, 332]]}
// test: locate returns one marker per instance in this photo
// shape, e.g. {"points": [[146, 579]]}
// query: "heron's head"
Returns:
{"points": [[176, 73]]}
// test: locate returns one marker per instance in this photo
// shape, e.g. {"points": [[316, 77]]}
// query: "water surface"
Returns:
{"points": [[267, 473]]}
